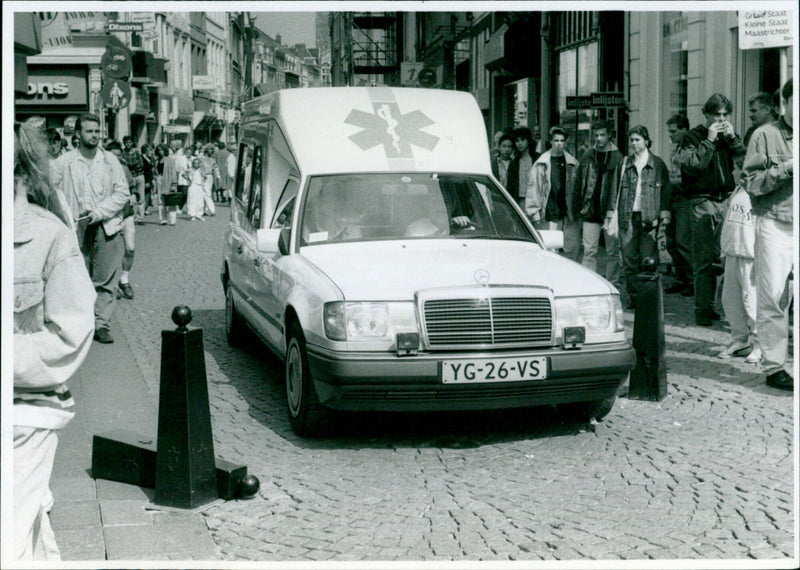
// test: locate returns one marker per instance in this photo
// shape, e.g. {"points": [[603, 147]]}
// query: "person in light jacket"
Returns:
{"points": [[93, 183], [644, 194], [53, 324], [550, 200]]}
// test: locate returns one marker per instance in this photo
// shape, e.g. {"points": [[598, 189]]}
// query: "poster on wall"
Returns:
{"points": [[766, 28]]}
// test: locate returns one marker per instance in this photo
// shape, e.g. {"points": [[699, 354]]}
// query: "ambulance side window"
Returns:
{"points": [[285, 209], [244, 173], [254, 211]]}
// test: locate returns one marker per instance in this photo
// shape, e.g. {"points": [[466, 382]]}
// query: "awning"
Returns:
{"points": [[210, 123]]}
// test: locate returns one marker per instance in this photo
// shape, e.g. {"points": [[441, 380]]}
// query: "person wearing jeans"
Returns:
{"points": [[596, 199], [769, 167], [706, 158], [549, 200]]}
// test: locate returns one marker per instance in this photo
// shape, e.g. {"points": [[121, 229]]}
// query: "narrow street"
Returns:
{"points": [[707, 473]]}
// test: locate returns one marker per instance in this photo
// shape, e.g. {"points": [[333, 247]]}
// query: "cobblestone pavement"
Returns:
{"points": [[707, 473]]}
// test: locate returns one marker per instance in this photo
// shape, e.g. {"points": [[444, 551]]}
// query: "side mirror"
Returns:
{"points": [[552, 239], [273, 241]]}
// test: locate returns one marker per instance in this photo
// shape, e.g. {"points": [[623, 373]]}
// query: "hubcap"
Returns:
{"points": [[294, 378]]}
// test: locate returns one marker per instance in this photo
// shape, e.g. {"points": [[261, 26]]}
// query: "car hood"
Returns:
{"points": [[395, 270]]}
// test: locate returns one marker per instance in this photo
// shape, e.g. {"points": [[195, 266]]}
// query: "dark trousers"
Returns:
{"points": [[707, 218], [679, 240], [636, 243]]}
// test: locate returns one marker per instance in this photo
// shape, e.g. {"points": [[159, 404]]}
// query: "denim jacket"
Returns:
{"points": [[53, 316], [655, 196]]}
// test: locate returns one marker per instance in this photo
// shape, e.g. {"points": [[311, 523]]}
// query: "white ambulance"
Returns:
{"points": [[373, 251]]}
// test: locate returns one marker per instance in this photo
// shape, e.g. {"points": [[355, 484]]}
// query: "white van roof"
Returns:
{"points": [[378, 129]]}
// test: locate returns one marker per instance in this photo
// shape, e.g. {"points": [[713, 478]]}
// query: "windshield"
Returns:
{"points": [[368, 207]]}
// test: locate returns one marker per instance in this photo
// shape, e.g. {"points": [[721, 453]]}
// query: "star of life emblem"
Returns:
{"points": [[395, 131]]}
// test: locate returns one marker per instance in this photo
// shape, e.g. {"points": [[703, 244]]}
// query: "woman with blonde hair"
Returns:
{"points": [[53, 327]]}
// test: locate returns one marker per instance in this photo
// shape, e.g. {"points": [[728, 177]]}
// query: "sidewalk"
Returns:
{"points": [[96, 519]]}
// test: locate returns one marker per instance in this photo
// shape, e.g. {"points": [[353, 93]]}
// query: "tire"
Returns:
{"points": [[307, 416], [235, 328], [584, 412]]}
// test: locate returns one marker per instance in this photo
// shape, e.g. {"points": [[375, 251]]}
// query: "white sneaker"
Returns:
{"points": [[735, 349], [755, 356]]}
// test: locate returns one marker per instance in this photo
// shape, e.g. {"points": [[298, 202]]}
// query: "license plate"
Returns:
{"points": [[493, 370]]}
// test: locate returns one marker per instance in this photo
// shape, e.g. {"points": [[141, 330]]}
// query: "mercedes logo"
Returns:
{"points": [[482, 277]]}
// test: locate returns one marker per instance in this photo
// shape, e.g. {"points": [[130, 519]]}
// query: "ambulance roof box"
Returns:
{"points": [[377, 129]]}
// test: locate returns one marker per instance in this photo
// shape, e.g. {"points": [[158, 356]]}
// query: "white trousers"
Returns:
{"points": [[773, 263], [739, 298], [34, 453]]}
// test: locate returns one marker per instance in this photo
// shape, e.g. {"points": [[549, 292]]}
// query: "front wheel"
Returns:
{"points": [[306, 415]]}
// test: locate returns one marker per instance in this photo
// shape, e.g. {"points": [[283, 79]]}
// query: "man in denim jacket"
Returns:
{"points": [[93, 183], [769, 168]]}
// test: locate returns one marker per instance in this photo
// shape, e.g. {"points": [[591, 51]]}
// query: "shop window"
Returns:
{"points": [[675, 47], [577, 75], [244, 174]]}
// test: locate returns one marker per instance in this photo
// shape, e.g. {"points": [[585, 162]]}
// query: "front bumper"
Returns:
{"points": [[369, 381]]}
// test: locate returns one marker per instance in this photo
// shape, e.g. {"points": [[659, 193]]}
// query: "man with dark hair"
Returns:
{"points": [[520, 168], [762, 111], [706, 158], [549, 200], [94, 186], [769, 168], [595, 193], [679, 232]]}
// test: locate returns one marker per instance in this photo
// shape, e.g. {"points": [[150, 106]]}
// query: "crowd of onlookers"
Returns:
{"points": [[723, 204]]}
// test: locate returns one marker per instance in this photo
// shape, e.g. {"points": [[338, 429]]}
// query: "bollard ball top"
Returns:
{"points": [[650, 264], [181, 315], [249, 486]]}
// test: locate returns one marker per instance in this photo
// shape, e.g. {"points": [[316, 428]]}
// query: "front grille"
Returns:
{"points": [[492, 321]]}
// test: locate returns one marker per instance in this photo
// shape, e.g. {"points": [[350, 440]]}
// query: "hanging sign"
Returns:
{"points": [[116, 93], [116, 62]]}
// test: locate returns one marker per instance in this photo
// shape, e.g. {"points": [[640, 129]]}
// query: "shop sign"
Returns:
{"points": [[202, 83], [579, 102], [125, 26], [55, 87], [409, 73], [56, 26], [177, 129], [608, 100], [766, 28]]}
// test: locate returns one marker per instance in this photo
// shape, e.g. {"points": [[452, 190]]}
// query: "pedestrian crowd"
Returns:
{"points": [[723, 203]]}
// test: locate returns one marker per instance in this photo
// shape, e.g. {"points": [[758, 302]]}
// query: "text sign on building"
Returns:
{"points": [[125, 27], [608, 100], [202, 83], [580, 102], [57, 86], [409, 73], [766, 28]]}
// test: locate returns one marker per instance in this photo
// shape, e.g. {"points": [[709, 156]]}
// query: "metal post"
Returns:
{"points": [[649, 377]]}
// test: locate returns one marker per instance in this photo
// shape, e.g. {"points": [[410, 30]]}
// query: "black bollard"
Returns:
{"points": [[649, 377], [186, 475], [181, 465]]}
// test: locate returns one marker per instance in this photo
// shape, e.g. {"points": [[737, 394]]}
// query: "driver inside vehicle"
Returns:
{"points": [[334, 216]]}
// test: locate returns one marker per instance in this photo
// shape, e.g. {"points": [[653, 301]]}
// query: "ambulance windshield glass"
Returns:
{"points": [[369, 207]]}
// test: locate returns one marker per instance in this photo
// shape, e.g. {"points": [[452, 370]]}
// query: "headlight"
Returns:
{"points": [[599, 315], [366, 321]]}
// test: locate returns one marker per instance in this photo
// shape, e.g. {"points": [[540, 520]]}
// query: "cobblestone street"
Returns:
{"points": [[707, 473]]}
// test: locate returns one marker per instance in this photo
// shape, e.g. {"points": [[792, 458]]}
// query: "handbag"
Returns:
{"points": [[611, 226]]}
